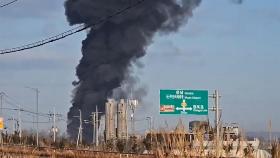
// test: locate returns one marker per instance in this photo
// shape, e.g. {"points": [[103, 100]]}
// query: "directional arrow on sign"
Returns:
{"points": [[184, 108]]}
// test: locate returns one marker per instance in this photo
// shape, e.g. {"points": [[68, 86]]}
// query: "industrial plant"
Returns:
{"points": [[143, 79]]}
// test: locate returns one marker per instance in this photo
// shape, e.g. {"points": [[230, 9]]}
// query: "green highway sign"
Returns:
{"points": [[184, 102]]}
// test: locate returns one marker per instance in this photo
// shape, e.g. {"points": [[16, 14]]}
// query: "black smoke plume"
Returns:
{"points": [[111, 48]]}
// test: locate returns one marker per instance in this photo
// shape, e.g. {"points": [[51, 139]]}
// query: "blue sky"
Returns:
{"points": [[225, 46]]}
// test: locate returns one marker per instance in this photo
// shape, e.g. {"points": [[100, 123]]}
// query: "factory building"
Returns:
{"points": [[110, 107], [115, 119], [122, 120]]}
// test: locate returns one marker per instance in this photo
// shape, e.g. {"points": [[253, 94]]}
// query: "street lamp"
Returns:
{"points": [[150, 122], [37, 113], [1, 102]]}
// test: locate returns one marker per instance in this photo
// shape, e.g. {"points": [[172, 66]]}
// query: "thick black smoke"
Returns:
{"points": [[111, 48]]}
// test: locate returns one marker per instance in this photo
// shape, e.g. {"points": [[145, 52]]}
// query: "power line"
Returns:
{"points": [[27, 111], [18, 108], [43, 115], [16, 104], [36, 122], [8, 97], [6, 4], [13, 102], [69, 32]]}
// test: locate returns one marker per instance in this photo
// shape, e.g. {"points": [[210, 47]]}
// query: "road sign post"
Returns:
{"points": [[184, 102]]}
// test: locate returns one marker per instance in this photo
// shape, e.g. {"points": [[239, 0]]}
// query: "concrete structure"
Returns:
{"points": [[122, 120], [231, 131], [110, 107], [198, 125]]}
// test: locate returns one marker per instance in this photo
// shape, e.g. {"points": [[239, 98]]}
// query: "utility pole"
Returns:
{"points": [[54, 128], [93, 127], [126, 143], [217, 113], [150, 122], [37, 116], [217, 121], [19, 123], [217, 109], [270, 134], [33, 124], [96, 127], [54, 125], [80, 133], [1, 104], [81, 128]]}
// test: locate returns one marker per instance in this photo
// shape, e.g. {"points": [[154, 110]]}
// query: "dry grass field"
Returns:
{"points": [[17, 151], [159, 144]]}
